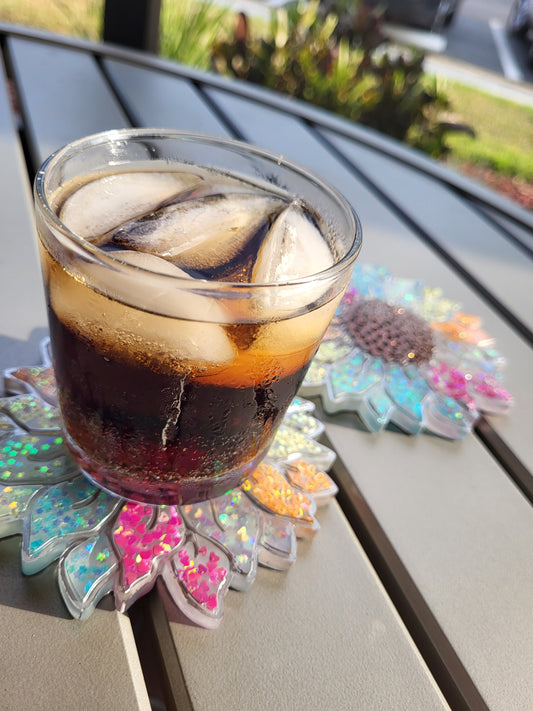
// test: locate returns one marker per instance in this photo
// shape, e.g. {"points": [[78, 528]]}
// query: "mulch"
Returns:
{"points": [[515, 189]]}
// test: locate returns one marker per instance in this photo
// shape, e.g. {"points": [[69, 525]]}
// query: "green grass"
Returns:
{"points": [[82, 18], [189, 28], [504, 131]]}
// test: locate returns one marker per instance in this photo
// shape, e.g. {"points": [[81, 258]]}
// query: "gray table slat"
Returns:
{"points": [[23, 315], [162, 100], [322, 635], [522, 235], [48, 659], [77, 102], [389, 241], [481, 248], [465, 535]]}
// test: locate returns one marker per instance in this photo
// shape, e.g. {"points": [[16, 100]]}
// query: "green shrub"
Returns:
{"points": [[355, 73], [189, 28]]}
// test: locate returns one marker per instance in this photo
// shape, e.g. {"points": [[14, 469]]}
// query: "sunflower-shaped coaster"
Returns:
{"points": [[400, 352], [106, 545]]}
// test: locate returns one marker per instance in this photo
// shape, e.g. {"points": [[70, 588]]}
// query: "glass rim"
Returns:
{"points": [[118, 135]]}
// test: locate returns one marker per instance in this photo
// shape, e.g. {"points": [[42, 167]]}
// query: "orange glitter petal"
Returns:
{"points": [[465, 328], [306, 476], [273, 491]]}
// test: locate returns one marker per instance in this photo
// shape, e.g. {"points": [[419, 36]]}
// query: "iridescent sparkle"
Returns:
{"points": [[107, 546], [400, 352]]}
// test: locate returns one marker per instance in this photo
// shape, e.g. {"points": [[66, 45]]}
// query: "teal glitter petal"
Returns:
{"points": [[86, 574], [60, 514]]}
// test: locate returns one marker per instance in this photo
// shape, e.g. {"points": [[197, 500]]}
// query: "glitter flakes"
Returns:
{"points": [[291, 444], [108, 546], [31, 412], [86, 573], [197, 580], [267, 487], [307, 477], [235, 526], [143, 536], [416, 360], [13, 503], [60, 514]]}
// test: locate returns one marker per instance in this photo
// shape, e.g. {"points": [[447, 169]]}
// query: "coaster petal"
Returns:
{"points": [[144, 537], [268, 488], [197, 578], [86, 573], [60, 514]]}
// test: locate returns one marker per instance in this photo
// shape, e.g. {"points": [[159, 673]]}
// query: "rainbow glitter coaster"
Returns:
{"points": [[400, 352], [106, 545]]}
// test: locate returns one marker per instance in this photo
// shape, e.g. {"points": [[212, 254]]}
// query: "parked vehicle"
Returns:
{"points": [[426, 14], [520, 24]]}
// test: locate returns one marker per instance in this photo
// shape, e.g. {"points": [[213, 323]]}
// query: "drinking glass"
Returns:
{"points": [[174, 374]]}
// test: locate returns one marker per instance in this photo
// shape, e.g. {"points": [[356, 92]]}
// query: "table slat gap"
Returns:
{"points": [[508, 460], [151, 657], [115, 91], [442, 661], [219, 112], [520, 234]]}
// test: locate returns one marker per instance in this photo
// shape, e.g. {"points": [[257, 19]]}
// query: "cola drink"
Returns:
{"points": [[185, 303]]}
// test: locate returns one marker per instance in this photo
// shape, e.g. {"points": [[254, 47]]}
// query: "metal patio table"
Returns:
{"points": [[416, 593]]}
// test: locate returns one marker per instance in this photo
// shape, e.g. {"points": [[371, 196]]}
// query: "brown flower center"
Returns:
{"points": [[392, 333]]}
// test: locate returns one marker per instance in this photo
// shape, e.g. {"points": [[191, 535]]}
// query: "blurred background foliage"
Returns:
{"points": [[333, 54], [350, 69]]}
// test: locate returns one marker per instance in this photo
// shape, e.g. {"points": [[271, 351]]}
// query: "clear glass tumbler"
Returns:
{"points": [[189, 280]]}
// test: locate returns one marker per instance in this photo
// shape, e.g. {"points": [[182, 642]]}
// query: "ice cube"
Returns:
{"points": [[203, 233], [193, 337], [277, 349], [151, 293], [295, 335], [293, 248], [105, 203]]}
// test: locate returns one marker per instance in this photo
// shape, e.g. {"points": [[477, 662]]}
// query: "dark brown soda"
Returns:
{"points": [[115, 412]]}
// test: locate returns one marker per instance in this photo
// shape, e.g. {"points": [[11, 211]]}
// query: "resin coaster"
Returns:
{"points": [[106, 545], [400, 352]]}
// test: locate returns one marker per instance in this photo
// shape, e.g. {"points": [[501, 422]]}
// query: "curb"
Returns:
{"points": [[489, 82]]}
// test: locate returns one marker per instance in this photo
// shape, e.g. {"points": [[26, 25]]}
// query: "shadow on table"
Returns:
{"points": [[36, 593], [15, 351]]}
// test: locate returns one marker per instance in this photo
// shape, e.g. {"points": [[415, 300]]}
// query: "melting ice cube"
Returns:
{"points": [[193, 334], [105, 203], [162, 295], [293, 248], [292, 336], [203, 233]]}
